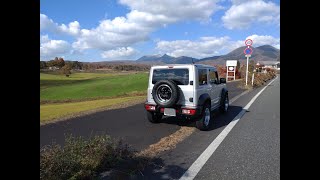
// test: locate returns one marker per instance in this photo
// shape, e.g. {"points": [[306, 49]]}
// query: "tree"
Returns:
{"points": [[251, 65], [66, 70], [60, 62], [43, 65], [76, 65]]}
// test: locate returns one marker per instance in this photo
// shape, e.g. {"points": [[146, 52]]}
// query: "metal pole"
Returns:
{"points": [[227, 74], [252, 79], [247, 70]]}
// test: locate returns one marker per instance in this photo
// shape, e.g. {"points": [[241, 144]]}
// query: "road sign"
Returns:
{"points": [[231, 67], [247, 51], [248, 55], [231, 62], [248, 42]]}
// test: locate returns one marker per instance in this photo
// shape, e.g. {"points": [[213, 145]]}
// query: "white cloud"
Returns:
{"points": [[120, 53], [177, 9], [204, 47], [211, 46], [264, 40], [144, 17], [237, 2], [48, 24], [52, 48], [243, 13]]}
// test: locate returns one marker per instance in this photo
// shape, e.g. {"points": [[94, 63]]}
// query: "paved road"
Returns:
{"points": [[250, 151], [128, 124]]}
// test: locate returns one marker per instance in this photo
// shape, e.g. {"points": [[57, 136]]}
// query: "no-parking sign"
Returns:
{"points": [[247, 51]]}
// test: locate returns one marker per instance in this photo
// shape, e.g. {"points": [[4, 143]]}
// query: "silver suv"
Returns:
{"points": [[190, 91]]}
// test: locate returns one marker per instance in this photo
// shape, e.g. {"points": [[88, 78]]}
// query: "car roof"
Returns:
{"points": [[183, 65]]}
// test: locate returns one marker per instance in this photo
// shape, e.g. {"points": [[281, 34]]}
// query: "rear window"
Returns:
{"points": [[179, 76]]}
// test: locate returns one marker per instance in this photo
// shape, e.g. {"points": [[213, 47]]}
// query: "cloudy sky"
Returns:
{"points": [[100, 30]]}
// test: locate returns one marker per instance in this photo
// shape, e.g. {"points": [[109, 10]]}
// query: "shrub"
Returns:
{"points": [[66, 70], [80, 158], [259, 78]]}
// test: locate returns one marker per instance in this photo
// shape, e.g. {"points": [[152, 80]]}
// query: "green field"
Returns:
{"points": [[84, 86], [62, 96]]}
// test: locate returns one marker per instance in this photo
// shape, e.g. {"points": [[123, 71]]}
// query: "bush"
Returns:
{"points": [[80, 158], [66, 70], [259, 78]]}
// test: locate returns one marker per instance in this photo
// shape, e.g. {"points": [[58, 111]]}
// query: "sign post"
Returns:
{"points": [[231, 68], [252, 79], [248, 52]]}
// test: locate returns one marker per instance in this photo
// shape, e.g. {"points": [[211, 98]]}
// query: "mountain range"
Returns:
{"points": [[261, 53]]}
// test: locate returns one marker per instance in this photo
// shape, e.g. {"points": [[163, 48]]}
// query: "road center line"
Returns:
{"points": [[203, 158]]}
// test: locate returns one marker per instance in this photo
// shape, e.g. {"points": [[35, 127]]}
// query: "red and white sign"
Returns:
{"points": [[248, 42]]}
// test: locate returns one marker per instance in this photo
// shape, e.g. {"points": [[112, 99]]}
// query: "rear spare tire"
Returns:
{"points": [[165, 93]]}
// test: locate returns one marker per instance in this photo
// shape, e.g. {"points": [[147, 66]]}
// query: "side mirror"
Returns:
{"points": [[223, 80]]}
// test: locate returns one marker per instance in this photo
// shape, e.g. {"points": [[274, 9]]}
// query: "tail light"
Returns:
{"points": [[150, 107], [189, 111]]}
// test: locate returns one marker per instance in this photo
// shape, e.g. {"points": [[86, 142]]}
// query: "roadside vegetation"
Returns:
{"points": [[82, 158], [261, 75]]}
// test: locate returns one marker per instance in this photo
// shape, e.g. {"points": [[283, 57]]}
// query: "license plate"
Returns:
{"points": [[169, 112]]}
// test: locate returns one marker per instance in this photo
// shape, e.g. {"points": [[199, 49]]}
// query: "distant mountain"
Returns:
{"points": [[149, 58], [261, 53], [166, 59], [209, 58], [185, 60]]}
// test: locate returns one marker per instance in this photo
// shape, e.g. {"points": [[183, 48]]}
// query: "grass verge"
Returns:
{"points": [[83, 158], [102, 157], [61, 111], [259, 80]]}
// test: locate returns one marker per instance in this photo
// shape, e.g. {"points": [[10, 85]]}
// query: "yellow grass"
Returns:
{"points": [[51, 112]]}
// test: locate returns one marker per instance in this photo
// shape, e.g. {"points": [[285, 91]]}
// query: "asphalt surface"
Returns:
{"points": [[128, 124], [250, 151], [252, 148]]}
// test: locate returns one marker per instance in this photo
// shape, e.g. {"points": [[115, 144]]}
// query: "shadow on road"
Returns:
{"points": [[218, 119], [156, 169]]}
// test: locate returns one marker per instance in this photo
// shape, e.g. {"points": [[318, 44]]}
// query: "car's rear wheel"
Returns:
{"points": [[204, 122], [154, 117], [224, 103]]}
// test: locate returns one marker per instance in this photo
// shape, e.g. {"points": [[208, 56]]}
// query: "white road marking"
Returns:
{"points": [[203, 158]]}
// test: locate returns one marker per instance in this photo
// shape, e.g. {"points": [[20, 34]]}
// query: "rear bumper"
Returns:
{"points": [[178, 108]]}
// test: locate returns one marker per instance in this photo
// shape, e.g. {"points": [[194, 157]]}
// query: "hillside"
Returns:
{"points": [[261, 53]]}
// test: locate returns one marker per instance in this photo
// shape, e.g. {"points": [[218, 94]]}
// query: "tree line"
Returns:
{"points": [[61, 64]]}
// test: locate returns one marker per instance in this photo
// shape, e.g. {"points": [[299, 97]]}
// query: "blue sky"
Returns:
{"points": [[102, 30]]}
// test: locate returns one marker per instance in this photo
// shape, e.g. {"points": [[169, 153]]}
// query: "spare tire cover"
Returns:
{"points": [[165, 93]]}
